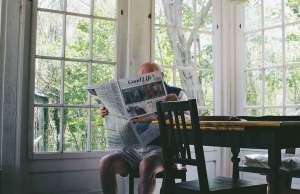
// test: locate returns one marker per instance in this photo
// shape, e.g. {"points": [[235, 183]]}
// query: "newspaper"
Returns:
{"points": [[128, 99]]}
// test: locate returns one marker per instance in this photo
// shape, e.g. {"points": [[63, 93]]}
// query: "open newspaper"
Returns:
{"points": [[127, 99]]}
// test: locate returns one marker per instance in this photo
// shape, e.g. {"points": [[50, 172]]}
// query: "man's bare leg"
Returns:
{"points": [[148, 170], [110, 165]]}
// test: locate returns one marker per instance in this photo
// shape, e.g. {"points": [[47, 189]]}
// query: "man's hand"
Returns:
{"points": [[171, 97], [103, 112]]}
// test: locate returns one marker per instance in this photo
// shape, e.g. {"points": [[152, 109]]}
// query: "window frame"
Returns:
{"points": [[215, 35], [284, 65], [61, 154]]}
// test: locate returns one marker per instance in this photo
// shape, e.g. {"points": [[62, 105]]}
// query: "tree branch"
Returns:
{"points": [[199, 22]]}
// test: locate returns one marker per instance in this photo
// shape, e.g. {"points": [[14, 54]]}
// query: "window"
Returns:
{"points": [[272, 70], [74, 45], [184, 46]]}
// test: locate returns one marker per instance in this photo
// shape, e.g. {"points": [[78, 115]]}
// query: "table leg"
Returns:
{"points": [[235, 162], [274, 161]]}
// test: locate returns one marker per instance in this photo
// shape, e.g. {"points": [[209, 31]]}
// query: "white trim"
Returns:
{"points": [[65, 12], [31, 80], [68, 155], [62, 88], [283, 57], [75, 60]]}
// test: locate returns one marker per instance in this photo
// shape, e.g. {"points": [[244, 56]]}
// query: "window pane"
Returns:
{"points": [[254, 87], [105, 8], [77, 37], [273, 111], [206, 82], [293, 86], [272, 12], [47, 81], [79, 6], [292, 10], [176, 44], [253, 50], [206, 23], [204, 51], [163, 46], [168, 75], [253, 112], [293, 43], [98, 133], [177, 79], [49, 34], [188, 13], [293, 111], [75, 136], [102, 73], [159, 12], [51, 4], [253, 15], [273, 47], [104, 40], [273, 87], [207, 111], [46, 129], [76, 80]]}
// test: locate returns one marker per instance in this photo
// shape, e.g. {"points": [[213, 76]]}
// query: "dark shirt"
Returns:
{"points": [[170, 90]]}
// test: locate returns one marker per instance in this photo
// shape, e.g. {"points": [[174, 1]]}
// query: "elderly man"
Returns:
{"points": [[151, 158]]}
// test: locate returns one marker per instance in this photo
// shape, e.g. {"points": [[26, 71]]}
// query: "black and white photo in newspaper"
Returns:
{"points": [[140, 94]]}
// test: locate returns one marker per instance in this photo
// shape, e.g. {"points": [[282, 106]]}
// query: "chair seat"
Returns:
{"points": [[222, 185], [290, 162]]}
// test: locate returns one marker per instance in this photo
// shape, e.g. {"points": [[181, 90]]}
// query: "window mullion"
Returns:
{"points": [[174, 75], [263, 57], [283, 58], [89, 123], [61, 148]]}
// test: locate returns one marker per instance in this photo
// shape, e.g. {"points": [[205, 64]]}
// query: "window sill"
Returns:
{"points": [[69, 155]]}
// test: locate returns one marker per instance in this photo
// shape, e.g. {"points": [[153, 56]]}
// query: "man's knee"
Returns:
{"points": [[105, 162], [113, 163], [108, 161], [150, 167]]}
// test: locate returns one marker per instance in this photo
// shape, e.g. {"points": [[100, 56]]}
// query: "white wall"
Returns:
{"points": [[11, 107]]}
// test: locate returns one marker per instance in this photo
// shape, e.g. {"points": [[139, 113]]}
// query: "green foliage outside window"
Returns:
{"points": [[48, 76]]}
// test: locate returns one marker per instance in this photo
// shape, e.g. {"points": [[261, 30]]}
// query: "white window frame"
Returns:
{"points": [[285, 65], [62, 154], [215, 34]]}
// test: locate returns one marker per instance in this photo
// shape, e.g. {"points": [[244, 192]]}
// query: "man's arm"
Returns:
{"points": [[182, 96]]}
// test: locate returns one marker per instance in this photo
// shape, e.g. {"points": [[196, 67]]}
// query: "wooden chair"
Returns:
{"points": [[177, 138], [286, 174], [179, 173]]}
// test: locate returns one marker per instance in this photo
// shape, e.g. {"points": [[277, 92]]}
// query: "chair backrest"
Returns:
{"points": [[180, 128]]}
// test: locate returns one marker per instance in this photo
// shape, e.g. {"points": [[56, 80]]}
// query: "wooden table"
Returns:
{"points": [[271, 135]]}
